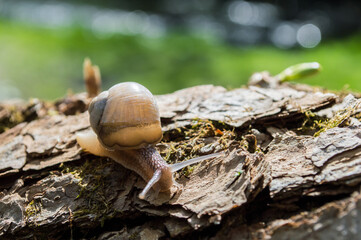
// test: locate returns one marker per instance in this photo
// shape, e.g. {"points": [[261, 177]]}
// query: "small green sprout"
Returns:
{"points": [[238, 173], [299, 71]]}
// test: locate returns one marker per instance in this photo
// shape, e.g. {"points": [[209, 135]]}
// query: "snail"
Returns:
{"points": [[125, 123]]}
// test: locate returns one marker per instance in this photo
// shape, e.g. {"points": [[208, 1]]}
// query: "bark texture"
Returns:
{"points": [[292, 170]]}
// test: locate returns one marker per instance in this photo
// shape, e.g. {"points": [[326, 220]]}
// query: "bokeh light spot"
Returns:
{"points": [[309, 36], [284, 35]]}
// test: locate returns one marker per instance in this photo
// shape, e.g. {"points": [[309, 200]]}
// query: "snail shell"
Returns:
{"points": [[126, 117], [126, 123]]}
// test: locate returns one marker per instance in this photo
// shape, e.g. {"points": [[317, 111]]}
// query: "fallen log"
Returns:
{"points": [[292, 170]]}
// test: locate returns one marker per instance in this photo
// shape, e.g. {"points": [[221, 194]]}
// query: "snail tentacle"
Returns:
{"points": [[177, 166], [157, 175]]}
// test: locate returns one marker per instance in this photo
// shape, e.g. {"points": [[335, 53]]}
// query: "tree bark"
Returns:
{"points": [[292, 170]]}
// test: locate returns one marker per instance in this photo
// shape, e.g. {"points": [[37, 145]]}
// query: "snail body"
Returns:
{"points": [[125, 126]]}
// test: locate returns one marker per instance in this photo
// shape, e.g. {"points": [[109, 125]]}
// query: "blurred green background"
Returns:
{"points": [[46, 62]]}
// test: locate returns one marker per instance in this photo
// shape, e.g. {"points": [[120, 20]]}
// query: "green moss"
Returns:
{"points": [[33, 208], [31, 211], [133, 236], [93, 188], [316, 125], [13, 114], [341, 118], [186, 142], [310, 123], [249, 142]]}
